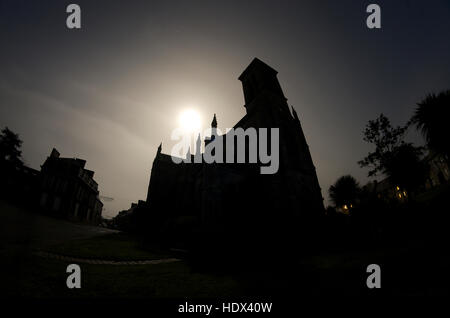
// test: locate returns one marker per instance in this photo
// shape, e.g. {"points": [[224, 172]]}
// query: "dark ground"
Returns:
{"points": [[409, 268]]}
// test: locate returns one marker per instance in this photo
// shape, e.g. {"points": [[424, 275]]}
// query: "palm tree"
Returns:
{"points": [[344, 192], [431, 119]]}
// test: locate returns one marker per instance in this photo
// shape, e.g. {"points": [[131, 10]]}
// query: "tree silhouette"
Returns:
{"points": [[386, 140], [398, 160], [10, 144], [430, 118], [344, 191]]}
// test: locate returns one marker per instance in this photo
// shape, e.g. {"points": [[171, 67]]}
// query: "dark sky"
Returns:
{"points": [[112, 91]]}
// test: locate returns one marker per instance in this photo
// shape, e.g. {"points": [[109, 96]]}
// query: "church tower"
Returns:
{"points": [[266, 107], [262, 91]]}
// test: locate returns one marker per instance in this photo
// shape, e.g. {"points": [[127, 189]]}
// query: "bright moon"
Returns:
{"points": [[190, 120]]}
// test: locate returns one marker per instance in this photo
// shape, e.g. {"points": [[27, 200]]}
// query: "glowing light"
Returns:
{"points": [[345, 207], [189, 120], [398, 188]]}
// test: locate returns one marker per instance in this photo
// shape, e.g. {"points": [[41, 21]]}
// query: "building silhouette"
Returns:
{"points": [[67, 190], [224, 197]]}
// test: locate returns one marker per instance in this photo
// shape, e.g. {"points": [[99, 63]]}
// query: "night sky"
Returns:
{"points": [[112, 91]]}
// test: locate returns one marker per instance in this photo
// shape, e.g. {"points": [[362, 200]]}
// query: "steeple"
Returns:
{"points": [[214, 122], [159, 148], [188, 154]]}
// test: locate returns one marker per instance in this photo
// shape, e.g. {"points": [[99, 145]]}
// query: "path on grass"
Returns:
{"points": [[103, 262]]}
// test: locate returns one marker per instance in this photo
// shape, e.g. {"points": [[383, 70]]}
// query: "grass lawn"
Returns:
{"points": [[324, 274], [37, 277], [329, 274], [46, 278], [115, 247]]}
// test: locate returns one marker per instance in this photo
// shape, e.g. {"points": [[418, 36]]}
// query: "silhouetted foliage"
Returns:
{"points": [[405, 167], [10, 144], [431, 119], [386, 140], [345, 191]]}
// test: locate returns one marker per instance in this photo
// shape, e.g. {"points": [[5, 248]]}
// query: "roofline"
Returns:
{"points": [[252, 63]]}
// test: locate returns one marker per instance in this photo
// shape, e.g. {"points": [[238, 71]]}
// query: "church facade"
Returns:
{"points": [[225, 197]]}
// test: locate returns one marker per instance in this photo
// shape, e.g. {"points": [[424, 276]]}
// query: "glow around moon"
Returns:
{"points": [[190, 121]]}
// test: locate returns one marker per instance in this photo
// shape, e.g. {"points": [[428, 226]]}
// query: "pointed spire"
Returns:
{"points": [[188, 155], [214, 122], [160, 148]]}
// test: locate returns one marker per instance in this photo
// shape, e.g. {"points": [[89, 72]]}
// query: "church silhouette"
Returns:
{"points": [[223, 199]]}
